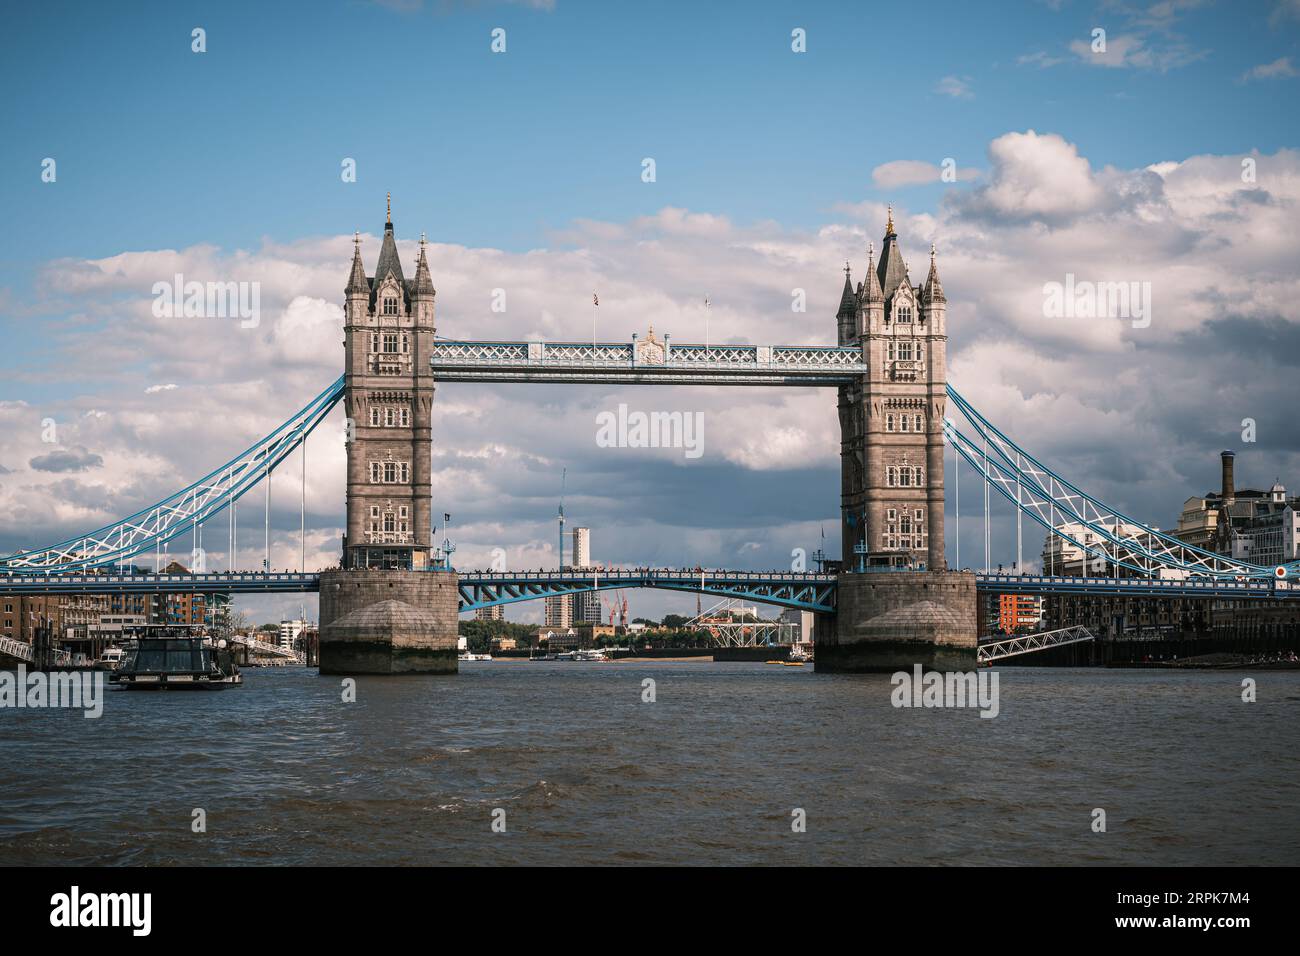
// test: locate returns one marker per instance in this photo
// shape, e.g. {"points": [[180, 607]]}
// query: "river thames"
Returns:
{"points": [[711, 772]]}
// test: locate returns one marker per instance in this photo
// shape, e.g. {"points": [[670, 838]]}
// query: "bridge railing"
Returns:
{"points": [[1216, 586], [108, 580], [624, 355], [790, 577]]}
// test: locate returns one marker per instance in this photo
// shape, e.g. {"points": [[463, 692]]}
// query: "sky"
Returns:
{"points": [[525, 170]]}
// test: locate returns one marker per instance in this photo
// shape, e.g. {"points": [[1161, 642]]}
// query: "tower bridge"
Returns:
{"points": [[393, 604]]}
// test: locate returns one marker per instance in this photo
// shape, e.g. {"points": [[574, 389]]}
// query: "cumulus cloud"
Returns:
{"points": [[1037, 178], [155, 389]]}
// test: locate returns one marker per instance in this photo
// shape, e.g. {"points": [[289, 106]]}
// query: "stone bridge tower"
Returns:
{"points": [[388, 610], [388, 396], [892, 421], [891, 481]]}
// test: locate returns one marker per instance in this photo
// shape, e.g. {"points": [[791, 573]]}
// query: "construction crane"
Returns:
{"points": [[617, 607]]}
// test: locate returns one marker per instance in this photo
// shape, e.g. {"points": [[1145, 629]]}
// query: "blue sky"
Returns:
{"points": [[525, 170], [161, 147]]}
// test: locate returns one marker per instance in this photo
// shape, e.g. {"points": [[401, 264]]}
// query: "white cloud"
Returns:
{"points": [[914, 172], [1268, 71], [1142, 39], [1038, 177], [958, 87]]}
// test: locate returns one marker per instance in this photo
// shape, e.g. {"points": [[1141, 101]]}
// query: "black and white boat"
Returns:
{"points": [[174, 657]]}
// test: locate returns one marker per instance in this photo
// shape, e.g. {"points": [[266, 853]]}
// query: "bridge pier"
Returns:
{"points": [[891, 620], [388, 622]]}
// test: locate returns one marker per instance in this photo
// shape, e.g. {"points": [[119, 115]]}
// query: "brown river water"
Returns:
{"points": [[580, 769]]}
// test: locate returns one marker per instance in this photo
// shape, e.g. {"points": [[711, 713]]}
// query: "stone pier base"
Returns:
{"points": [[388, 622], [891, 620]]}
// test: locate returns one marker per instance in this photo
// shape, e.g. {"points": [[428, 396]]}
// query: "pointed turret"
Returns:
{"points": [[846, 319], [848, 298], [389, 262], [357, 283], [872, 291], [933, 287], [423, 284], [388, 258], [891, 272]]}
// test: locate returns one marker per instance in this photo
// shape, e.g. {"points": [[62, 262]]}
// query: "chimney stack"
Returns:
{"points": [[1229, 493]]}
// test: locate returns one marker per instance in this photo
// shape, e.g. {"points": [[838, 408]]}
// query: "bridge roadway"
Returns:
{"points": [[808, 591]]}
